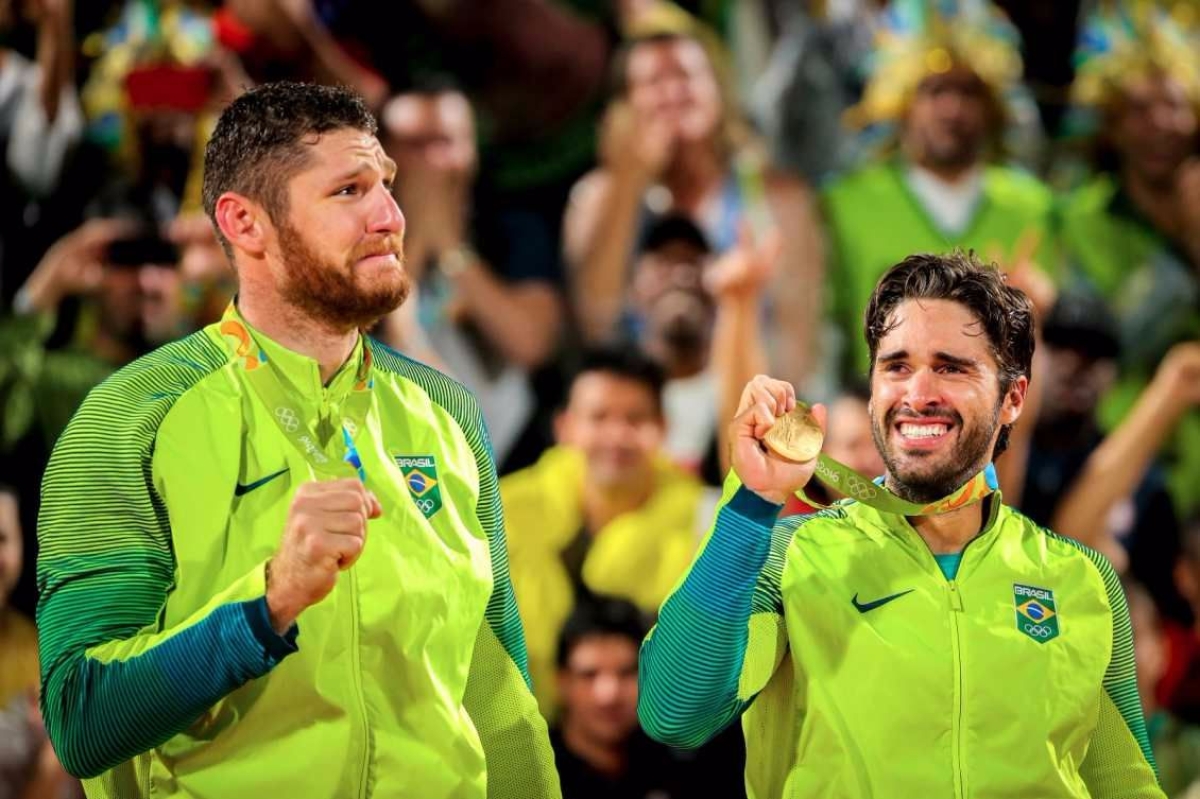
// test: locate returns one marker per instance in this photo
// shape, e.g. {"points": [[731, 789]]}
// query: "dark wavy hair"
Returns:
{"points": [[1005, 313], [625, 362], [259, 141], [598, 615]]}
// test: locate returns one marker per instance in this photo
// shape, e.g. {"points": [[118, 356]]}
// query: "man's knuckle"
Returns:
{"points": [[312, 548]]}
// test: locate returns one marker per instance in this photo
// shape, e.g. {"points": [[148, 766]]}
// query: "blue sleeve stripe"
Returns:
{"points": [[127, 707], [691, 661]]}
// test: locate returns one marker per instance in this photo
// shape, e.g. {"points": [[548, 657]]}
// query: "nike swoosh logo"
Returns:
{"points": [[863, 607], [240, 489]]}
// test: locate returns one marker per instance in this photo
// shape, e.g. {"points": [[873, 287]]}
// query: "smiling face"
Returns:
{"points": [[339, 251], [616, 422], [936, 400]]}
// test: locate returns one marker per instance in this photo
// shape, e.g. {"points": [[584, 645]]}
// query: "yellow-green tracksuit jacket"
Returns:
{"points": [[161, 675], [864, 673]]}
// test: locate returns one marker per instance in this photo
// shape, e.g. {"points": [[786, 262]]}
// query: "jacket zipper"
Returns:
{"points": [[955, 603], [356, 678], [956, 745], [324, 414]]}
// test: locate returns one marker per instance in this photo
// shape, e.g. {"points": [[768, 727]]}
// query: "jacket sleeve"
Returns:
{"points": [[1119, 762], [720, 635], [115, 682], [516, 743]]}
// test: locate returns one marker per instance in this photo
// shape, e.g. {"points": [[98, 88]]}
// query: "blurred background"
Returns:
{"points": [[618, 212]]}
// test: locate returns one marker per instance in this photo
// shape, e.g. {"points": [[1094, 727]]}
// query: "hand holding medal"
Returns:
{"points": [[777, 449], [775, 440]]}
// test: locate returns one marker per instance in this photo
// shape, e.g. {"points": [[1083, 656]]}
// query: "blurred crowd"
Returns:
{"points": [[617, 213]]}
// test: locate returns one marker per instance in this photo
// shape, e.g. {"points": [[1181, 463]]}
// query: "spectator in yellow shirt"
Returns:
{"points": [[603, 511]]}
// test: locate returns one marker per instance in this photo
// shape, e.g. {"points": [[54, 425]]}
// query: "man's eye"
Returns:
{"points": [[347, 190]]}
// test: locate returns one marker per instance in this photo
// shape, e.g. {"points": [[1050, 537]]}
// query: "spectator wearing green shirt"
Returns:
{"points": [[1132, 232], [940, 92]]}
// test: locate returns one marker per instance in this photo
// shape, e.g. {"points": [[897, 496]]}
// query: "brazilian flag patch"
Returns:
{"points": [[1036, 615], [420, 476]]}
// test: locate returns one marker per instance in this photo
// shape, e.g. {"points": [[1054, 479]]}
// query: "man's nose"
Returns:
{"points": [[685, 274], [951, 103], [924, 389], [386, 215], [1163, 117], [607, 687]]}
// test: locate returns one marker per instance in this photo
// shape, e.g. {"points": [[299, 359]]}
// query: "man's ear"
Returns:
{"points": [[243, 222], [1014, 400]]}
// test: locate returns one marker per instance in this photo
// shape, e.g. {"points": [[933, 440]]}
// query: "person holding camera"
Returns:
{"points": [[43, 379], [42, 387]]}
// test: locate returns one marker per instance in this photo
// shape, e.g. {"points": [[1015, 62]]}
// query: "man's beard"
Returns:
{"points": [[682, 322], [685, 336], [958, 151], [333, 295], [970, 455]]}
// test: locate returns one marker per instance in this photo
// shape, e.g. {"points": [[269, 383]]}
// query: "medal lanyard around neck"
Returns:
{"points": [[843, 479], [300, 432]]}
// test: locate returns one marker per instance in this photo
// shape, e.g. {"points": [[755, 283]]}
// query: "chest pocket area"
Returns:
{"points": [[430, 560], [1034, 658]]}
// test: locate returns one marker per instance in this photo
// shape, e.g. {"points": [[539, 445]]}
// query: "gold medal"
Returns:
{"points": [[795, 435]]}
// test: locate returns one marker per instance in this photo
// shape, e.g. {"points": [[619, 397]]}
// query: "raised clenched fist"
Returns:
{"points": [[325, 533]]}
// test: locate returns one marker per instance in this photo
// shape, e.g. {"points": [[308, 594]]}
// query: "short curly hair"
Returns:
{"points": [[258, 143], [1005, 313]]}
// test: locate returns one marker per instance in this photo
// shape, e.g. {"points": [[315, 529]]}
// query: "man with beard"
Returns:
{"points": [[670, 317], [213, 610], [1132, 231], [942, 91], [923, 639], [701, 317]]}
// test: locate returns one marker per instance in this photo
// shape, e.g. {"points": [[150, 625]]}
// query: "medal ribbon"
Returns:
{"points": [[842, 478], [265, 382]]}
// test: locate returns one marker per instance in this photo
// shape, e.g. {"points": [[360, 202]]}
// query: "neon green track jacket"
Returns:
{"points": [[863, 672], [161, 674]]}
